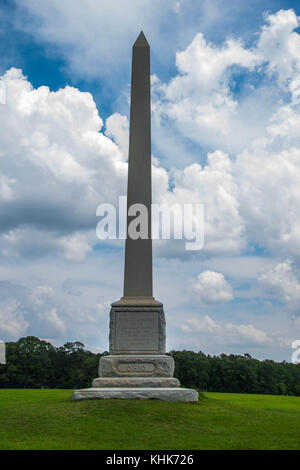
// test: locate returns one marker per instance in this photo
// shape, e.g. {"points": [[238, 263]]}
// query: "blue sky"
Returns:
{"points": [[225, 132]]}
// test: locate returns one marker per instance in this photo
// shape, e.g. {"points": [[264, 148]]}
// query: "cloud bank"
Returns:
{"points": [[225, 133]]}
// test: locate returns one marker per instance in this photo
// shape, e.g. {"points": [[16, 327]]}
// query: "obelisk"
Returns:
{"points": [[138, 253], [137, 366]]}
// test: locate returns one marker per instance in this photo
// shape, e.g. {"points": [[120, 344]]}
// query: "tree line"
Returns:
{"points": [[34, 363]]}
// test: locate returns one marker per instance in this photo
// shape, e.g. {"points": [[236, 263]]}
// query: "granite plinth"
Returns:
{"points": [[147, 393], [127, 382]]}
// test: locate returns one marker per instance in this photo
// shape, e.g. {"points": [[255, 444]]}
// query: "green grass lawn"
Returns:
{"points": [[48, 419]]}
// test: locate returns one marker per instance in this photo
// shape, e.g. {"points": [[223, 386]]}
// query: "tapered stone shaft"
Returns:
{"points": [[138, 253]]}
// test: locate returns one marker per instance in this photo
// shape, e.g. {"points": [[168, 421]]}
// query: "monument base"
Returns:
{"points": [[137, 366], [141, 393], [124, 382]]}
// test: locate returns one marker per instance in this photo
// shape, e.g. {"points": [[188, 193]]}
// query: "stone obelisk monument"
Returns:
{"points": [[137, 366]]}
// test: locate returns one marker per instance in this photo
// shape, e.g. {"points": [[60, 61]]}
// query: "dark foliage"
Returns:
{"points": [[236, 374], [32, 363]]}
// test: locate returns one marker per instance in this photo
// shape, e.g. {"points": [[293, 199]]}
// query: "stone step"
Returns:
{"points": [[135, 382], [147, 393]]}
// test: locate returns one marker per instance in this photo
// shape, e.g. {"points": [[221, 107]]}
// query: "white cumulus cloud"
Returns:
{"points": [[226, 333], [212, 288], [282, 282]]}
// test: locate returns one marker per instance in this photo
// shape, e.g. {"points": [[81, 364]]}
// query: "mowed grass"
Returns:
{"points": [[48, 419]]}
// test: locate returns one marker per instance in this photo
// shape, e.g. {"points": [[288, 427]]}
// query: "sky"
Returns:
{"points": [[225, 92]]}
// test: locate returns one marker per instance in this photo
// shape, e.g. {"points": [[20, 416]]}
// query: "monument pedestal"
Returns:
{"points": [[137, 367]]}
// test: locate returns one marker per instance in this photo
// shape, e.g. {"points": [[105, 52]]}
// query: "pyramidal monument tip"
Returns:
{"points": [[141, 41]]}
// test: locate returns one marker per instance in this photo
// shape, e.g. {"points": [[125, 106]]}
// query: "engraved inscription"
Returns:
{"points": [[137, 331], [137, 367]]}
